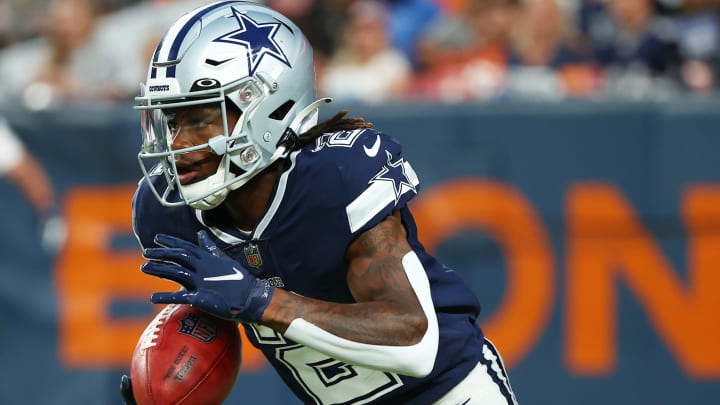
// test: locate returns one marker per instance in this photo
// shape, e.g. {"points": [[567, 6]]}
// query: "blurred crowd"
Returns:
{"points": [[371, 51], [96, 52]]}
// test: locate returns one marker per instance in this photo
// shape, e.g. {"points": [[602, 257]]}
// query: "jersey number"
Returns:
{"points": [[324, 379], [344, 139]]}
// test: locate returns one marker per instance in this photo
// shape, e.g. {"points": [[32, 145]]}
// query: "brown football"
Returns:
{"points": [[185, 357]]}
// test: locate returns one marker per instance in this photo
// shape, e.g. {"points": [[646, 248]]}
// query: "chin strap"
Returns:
{"points": [[190, 191]]}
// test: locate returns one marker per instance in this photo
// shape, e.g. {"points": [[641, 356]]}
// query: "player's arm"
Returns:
{"points": [[387, 311], [392, 325]]}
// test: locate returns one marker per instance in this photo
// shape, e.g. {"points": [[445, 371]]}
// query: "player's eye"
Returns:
{"points": [[209, 118], [193, 123], [172, 123]]}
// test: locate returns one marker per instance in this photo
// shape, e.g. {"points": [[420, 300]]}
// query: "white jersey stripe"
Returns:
{"points": [[375, 198], [279, 196]]}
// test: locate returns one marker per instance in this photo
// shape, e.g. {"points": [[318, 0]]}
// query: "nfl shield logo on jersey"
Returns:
{"points": [[252, 254]]}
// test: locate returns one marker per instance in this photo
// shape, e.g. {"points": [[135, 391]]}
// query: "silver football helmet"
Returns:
{"points": [[227, 52]]}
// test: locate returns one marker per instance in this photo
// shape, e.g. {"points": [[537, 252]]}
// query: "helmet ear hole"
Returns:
{"points": [[280, 112], [233, 108]]}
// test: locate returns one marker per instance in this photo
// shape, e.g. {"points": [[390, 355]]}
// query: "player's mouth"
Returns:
{"points": [[192, 171]]}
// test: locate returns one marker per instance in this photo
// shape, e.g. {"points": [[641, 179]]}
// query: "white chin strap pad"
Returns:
{"points": [[192, 191], [415, 360]]}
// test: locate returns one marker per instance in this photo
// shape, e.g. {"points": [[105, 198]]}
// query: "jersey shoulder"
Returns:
{"points": [[364, 169]]}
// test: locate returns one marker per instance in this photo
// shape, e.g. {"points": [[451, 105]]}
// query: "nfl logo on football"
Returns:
{"points": [[199, 327]]}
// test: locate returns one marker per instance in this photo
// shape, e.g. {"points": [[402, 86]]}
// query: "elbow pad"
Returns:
{"points": [[416, 360]]}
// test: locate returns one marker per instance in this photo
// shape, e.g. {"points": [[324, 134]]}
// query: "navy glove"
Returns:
{"points": [[213, 282], [126, 390]]}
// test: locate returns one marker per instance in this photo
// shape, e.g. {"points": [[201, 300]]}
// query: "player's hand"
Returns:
{"points": [[212, 281], [126, 390]]}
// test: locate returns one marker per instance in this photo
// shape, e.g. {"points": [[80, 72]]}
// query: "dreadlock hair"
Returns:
{"points": [[338, 122]]}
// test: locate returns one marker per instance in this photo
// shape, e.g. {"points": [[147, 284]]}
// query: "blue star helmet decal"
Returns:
{"points": [[394, 172], [257, 38]]}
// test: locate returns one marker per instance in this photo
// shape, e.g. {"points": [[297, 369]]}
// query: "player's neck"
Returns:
{"points": [[247, 205]]}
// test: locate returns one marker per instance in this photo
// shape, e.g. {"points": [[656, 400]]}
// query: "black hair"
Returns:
{"points": [[337, 122]]}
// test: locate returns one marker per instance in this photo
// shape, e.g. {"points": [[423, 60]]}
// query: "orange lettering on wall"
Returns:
{"points": [[90, 276], [696, 341], [504, 213], [606, 244]]}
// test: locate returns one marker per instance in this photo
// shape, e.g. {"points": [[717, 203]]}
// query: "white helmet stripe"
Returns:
{"points": [[169, 47]]}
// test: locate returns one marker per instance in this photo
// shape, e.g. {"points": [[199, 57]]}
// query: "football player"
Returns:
{"points": [[300, 231]]}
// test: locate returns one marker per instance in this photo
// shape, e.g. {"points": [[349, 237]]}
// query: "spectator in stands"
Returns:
{"points": [[69, 28], [86, 55], [464, 56], [320, 20], [127, 38], [544, 62], [408, 20], [64, 65], [698, 32], [451, 7], [366, 68], [637, 48]]}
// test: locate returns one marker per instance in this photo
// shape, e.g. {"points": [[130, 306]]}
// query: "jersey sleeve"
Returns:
{"points": [[376, 178]]}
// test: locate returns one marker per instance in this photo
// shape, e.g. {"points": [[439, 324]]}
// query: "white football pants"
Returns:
{"points": [[486, 384]]}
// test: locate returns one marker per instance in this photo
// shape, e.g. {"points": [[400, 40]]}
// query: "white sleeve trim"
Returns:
{"points": [[415, 360]]}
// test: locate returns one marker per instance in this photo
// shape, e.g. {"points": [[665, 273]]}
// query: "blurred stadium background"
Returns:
{"points": [[574, 143]]}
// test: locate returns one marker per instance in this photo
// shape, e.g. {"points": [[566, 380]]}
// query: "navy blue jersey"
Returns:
{"points": [[333, 190]]}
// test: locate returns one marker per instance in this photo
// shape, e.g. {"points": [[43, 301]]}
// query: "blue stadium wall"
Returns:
{"points": [[589, 231]]}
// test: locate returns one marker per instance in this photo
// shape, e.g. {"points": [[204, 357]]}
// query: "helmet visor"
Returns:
{"points": [[155, 131]]}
